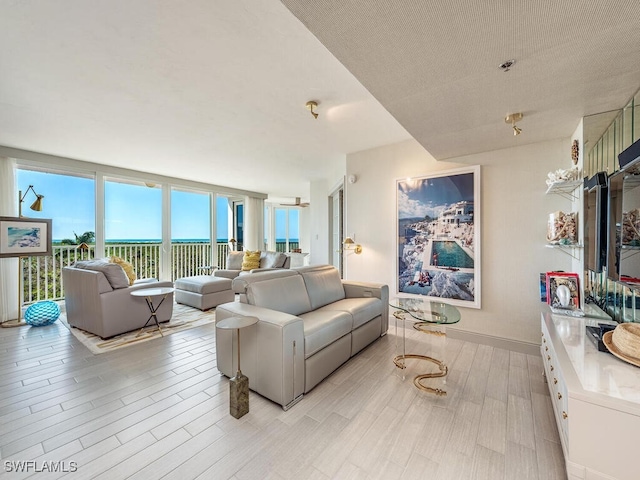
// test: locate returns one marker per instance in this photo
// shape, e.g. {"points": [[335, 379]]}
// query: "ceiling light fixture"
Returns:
{"points": [[506, 66], [512, 118], [311, 104]]}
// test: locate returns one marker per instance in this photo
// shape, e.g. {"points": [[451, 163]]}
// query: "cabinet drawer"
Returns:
{"points": [[560, 401], [557, 387]]}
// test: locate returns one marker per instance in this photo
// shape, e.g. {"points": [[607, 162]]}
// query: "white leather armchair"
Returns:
{"points": [[93, 305]]}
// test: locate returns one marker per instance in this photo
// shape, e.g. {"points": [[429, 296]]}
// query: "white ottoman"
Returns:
{"points": [[203, 291]]}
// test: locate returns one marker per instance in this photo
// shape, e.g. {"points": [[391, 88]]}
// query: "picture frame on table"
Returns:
{"points": [[563, 291], [24, 237], [543, 287]]}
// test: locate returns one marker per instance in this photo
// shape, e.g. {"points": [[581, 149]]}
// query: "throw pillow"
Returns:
{"points": [[113, 272], [251, 260], [234, 260], [127, 267], [273, 260]]}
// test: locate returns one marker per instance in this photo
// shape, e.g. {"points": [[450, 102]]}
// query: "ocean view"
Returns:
{"points": [[173, 240]]}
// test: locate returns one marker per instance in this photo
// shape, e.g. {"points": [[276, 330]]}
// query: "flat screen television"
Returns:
{"points": [[623, 239], [595, 222]]}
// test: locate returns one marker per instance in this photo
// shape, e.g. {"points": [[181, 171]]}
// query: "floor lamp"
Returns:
{"points": [[17, 322], [36, 206], [43, 247]]}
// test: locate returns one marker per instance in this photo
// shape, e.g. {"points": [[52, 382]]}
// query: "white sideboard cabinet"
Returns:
{"points": [[596, 399]]}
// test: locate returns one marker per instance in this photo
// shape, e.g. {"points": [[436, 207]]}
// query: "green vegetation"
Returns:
{"points": [[86, 237]]}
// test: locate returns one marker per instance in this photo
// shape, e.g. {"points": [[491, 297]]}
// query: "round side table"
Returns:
{"points": [[149, 294], [238, 385]]}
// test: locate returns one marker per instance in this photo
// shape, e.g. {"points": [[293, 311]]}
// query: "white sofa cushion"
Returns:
{"points": [[322, 328], [361, 309], [323, 285], [287, 294], [240, 283], [234, 260], [203, 284], [272, 260], [229, 274]]}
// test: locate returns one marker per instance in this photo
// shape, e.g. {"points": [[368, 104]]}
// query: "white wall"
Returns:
{"points": [[514, 213], [305, 238], [318, 224]]}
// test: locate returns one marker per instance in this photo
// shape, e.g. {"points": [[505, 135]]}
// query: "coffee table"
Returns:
{"points": [[149, 294], [424, 315]]}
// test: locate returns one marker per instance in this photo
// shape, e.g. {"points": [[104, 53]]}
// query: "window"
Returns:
{"points": [[70, 227], [60, 193], [190, 233], [162, 226], [133, 225], [238, 209], [287, 229]]}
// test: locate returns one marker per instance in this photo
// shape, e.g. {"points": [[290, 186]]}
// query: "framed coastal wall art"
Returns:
{"points": [[23, 237], [438, 236]]}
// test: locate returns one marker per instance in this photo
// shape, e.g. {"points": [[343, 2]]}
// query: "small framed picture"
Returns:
{"points": [[22, 237], [563, 291], [543, 287]]}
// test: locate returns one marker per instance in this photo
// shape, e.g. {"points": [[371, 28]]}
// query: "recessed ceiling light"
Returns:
{"points": [[506, 66]]}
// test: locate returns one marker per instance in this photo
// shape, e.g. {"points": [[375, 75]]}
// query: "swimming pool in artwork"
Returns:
{"points": [[450, 254]]}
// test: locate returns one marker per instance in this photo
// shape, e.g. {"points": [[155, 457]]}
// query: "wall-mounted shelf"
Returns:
{"points": [[572, 250], [565, 189]]}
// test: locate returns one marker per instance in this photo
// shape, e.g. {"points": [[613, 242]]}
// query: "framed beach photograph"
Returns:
{"points": [[24, 237], [438, 236]]}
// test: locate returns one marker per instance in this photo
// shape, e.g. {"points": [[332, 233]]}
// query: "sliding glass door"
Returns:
{"points": [[286, 229], [190, 233], [133, 224], [165, 228]]}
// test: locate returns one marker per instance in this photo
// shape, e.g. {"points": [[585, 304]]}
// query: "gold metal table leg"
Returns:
{"points": [[154, 316], [399, 362]]}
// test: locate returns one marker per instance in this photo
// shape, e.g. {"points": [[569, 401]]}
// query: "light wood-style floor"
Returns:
{"points": [[160, 410]]}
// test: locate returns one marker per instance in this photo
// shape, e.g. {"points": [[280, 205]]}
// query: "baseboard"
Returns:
{"points": [[497, 342]]}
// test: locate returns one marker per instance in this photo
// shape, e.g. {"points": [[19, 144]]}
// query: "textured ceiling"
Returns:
{"points": [[434, 65], [214, 90]]}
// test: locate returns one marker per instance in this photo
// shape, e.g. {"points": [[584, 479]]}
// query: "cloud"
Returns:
{"points": [[408, 208]]}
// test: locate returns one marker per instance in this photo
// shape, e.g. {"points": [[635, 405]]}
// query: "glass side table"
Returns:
{"points": [[426, 316]]}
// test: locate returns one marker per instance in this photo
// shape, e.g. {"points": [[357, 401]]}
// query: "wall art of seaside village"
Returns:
{"points": [[436, 237]]}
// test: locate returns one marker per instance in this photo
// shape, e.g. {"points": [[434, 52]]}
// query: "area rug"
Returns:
{"points": [[183, 318]]}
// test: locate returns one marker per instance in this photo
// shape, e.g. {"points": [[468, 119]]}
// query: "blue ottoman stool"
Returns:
{"points": [[42, 313]]}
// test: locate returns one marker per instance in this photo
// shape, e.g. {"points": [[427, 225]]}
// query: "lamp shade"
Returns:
{"points": [[37, 205]]}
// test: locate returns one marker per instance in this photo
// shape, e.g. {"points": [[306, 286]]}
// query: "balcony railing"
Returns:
{"points": [[42, 276]]}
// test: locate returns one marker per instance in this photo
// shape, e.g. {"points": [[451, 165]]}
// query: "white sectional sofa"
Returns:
{"points": [[268, 261], [310, 323]]}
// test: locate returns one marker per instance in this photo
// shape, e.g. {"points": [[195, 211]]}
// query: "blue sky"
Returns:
{"points": [[418, 197], [132, 211]]}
